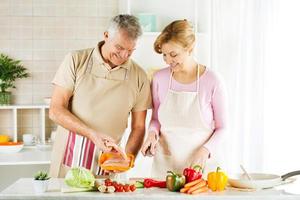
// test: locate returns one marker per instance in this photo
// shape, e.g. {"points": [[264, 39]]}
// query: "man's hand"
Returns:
{"points": [[103, 142], [149, 147]]}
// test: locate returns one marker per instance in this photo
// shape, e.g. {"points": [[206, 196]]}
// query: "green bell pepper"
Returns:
{"points": [[175, 181]]}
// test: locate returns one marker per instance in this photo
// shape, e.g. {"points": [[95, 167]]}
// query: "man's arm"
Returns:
{"points": [[137, 134], [61, 115]]}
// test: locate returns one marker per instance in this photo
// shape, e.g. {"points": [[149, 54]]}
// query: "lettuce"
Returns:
{"points": [[80, 177]]}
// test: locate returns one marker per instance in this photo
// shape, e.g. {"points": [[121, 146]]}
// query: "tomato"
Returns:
{"points": [[132, 188], [127, 188], [116, 188], [107, 180], [119, 187], [114, 183], [108, 184]]}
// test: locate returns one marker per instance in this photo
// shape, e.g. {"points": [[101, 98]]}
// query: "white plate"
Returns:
{"points": [[12, 148], [259, 181]]}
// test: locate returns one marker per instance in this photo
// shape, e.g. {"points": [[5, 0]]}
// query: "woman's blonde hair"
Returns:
{"points": [[179, 31]]}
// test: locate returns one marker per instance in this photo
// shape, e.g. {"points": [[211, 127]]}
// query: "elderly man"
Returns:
{"points": [[95, 90]]}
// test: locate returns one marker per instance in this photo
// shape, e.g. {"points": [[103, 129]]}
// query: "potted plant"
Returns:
{"points": [[41, 181], [10, 70]]}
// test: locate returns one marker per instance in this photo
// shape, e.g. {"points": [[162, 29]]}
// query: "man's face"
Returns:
{"points": [[119, 47]]}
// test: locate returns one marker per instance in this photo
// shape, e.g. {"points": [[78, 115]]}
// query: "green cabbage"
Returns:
{"points": [[80, 177]]}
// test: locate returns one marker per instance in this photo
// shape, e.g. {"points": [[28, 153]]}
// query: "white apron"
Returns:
{"points": [[183, 131]]}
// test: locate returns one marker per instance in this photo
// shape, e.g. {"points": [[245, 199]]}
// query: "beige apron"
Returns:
{"points": [[86, 107], [183, 131]]}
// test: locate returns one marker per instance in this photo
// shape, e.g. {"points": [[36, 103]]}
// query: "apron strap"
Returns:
{"points": [[197, 79], [90, 63], [170, 79]]}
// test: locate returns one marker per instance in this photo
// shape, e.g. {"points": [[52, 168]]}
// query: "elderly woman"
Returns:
{"points": [[188, 118]]}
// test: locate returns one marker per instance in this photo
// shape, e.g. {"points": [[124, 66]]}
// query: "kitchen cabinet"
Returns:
{"points": [[42, 113], [30, 158], [23, 189], [165, 12]]}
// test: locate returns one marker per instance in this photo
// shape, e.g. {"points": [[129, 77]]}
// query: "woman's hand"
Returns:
{"points": [[149, 147], [201, 157]]}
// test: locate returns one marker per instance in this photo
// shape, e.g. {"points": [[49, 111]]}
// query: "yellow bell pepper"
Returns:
{"points": [[217, 180]]}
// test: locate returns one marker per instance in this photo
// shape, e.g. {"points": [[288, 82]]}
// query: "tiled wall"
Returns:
{"points": [[40, 33]]}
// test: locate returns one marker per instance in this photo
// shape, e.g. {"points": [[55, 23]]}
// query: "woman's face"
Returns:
{"points": [[174, 55]]}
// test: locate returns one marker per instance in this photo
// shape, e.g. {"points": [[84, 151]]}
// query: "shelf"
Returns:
{"points": [[42, 109], [27, 156], [151, 33], [199, 34], [26, 106]]}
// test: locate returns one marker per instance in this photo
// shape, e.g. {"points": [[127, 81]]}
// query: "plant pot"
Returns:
{"points": [[40, 186], [5, 98]]}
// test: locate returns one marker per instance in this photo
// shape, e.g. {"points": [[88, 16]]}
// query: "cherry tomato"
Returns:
{"points": [[108, 184], [114, 183], [119, 187], [127, 188], [107, 180], [132, 188]]}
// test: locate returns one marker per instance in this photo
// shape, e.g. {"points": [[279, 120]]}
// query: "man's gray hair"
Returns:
{"points": [[125, 22]]}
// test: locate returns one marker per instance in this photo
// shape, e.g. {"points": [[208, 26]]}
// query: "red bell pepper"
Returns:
{"points": [[192, 173], [148, 182]]}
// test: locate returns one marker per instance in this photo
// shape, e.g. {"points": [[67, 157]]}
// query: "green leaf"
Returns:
{"points": [[10, 71], [40, 175]]}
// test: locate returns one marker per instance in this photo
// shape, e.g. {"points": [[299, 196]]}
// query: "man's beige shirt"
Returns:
{"points": [[70, 76]]}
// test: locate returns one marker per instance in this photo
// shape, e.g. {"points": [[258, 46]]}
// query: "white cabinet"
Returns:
{"points": [[42, 113], [196, 11], [28, 155]]}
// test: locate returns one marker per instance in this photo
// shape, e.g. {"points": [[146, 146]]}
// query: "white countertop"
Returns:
{"points": [[27, 156], [23, 189]]}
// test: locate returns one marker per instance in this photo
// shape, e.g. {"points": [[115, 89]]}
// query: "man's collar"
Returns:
{"points": [[98, 58]]}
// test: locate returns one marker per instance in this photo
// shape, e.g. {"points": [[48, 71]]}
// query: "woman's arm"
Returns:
{"points": [[154, 125], [219, 107], [149, 147]]}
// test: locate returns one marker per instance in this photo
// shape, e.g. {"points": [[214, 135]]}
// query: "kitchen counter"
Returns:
{"points": [[23, 189], [29, 155]]}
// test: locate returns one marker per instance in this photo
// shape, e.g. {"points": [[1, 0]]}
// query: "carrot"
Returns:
{"points": [[190, 184], [202, 189], [184, 189], [196, 187]]}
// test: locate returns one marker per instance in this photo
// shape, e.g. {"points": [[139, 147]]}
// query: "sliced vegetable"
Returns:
{"points": [[110, 189], [139, 184], [102, 188], [175, 181], [217, 180]]}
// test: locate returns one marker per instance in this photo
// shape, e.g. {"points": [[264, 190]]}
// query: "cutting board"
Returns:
{"points": [[67, 189]]}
